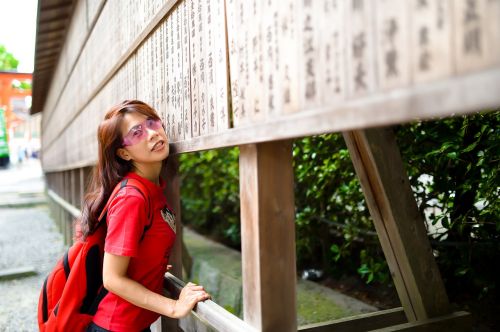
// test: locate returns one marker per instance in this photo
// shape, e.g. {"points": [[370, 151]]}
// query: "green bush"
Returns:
{"points": [[210, 193], [453, 169]]}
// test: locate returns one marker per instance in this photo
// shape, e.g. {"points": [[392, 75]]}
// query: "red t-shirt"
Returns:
{"points": [[126, 219]]}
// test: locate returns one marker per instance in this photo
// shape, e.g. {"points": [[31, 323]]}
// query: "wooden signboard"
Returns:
{"points": [[288, 40], [186, 71], [392, 33], [237, 72], [431, 40], [195, 72], [333, 86], [221, 64]]}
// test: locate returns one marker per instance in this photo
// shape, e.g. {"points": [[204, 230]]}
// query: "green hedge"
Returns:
{"points": [[452, 164]]}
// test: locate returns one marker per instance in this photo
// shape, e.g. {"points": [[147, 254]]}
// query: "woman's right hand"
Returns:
{"points": [[190, 295]]}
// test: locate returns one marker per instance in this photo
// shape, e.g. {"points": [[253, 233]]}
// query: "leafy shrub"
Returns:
{"points": [[453, 166]]}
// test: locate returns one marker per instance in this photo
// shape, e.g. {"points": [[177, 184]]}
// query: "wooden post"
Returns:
{"points": [[268, 236], [73, 177], [400, 226], [68, 219], [172, 191], [82, 182]]}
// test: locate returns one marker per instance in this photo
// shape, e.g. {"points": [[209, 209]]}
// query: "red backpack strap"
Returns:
{"points": [[141, 188], [119, 186]]}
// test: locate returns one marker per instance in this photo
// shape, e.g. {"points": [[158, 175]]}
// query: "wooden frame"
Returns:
{"points": [[460, 82]]}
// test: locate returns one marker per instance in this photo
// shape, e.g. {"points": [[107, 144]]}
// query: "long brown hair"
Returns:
{"points": [[110, 169]]}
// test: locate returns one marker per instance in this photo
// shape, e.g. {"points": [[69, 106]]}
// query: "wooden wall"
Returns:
{"points": [[230, 72], [259, 73]]}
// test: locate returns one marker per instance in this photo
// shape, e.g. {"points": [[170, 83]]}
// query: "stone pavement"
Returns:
{"points": [[28, 238]]}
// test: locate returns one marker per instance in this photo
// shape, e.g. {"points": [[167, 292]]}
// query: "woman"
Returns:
{"points": [[133, 145]]}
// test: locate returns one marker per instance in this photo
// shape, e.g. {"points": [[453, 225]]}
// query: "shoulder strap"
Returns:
{"points": [[141, 188], [119, 186]]}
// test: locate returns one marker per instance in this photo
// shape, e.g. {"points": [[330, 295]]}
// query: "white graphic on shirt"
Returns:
{"points": [[169, 217]]}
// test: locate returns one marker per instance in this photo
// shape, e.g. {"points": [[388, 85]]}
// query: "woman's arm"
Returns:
{"points": [[115, 280]]}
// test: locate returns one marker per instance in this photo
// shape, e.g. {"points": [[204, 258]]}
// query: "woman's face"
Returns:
{"points": [[145, 140]]}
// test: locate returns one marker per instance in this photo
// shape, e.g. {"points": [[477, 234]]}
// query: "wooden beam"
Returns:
{"points": [[457, 322], [56, 6], [364, 322], [399, 224], [170, 173], [268, 236]]}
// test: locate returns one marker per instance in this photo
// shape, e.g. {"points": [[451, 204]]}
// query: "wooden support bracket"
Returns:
{"points": [[400, 226]]}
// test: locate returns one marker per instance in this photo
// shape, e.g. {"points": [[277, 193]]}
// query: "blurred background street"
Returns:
{"points": [[29, 244]]}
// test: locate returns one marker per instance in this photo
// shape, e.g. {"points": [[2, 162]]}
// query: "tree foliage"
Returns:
{"points": [[7, 60], [453, 166]]}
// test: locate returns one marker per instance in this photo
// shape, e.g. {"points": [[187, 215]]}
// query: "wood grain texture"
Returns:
{"points": [[268, 236], [363, 322], [398, 222], [170, 172]]}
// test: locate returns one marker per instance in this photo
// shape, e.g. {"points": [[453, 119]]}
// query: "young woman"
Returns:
{"points": [[133, 145]]}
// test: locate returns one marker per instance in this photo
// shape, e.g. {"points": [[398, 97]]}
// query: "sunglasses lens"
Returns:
{"points": [[153, 124], [139, 132]]}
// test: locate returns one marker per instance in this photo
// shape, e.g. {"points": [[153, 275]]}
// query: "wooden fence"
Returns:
{"points": [[257, 74]]}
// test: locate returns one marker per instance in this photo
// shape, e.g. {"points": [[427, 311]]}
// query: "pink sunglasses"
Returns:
{"points": [[139, 132]]}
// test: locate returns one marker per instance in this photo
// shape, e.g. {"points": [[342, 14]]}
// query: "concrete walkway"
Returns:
{"points": [[29, 240]]}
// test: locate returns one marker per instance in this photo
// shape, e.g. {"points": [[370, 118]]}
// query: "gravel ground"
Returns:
{"points": [[28, 237]]}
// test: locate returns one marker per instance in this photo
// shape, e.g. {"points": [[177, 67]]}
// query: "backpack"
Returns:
{"points": [[73, 290]]}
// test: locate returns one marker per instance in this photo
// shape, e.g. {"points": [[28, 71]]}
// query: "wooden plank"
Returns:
{"points": [[431, 40], [186, 70], [237, 35], [176, 112], [208, 311], [161, 92], [221, 66], [309, 53], [202, 66], [392, 34], [209, 8], [399, 224], [170, 172], [333, 57], [360, 47], [492, 18], [72, 197], [179, 118], [82, 186], [471, 51], [170, 50], [268, 236], [253, 59], [457, 321], [269, 89], [451, 97], [364, 322], [195, 77], [289, 40], [155, 68]]}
